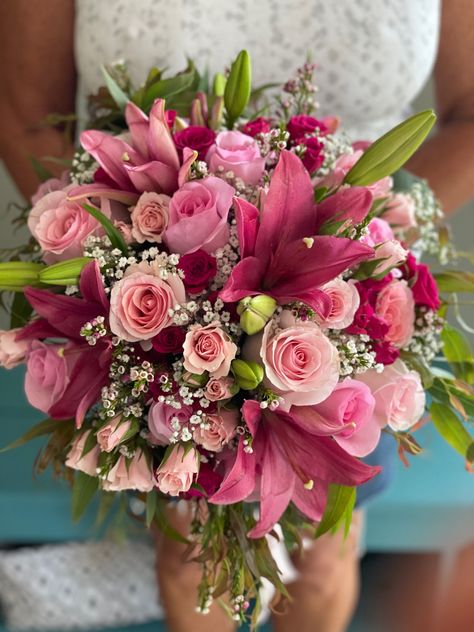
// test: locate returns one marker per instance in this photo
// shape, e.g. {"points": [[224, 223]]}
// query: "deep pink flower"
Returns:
{"points": [[288, 464], [199, 269], [207, 483], [424, 288], [274, 258], [169, 340], [302, 124], [260, 125], [314, 155], [195, 137]]}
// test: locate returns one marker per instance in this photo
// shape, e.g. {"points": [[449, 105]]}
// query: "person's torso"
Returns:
{"points": [[373, 56]]}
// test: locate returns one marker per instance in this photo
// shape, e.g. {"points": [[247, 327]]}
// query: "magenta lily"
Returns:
{"points": [[281, 253], [288, 464], [63, 317], [149, 162]]}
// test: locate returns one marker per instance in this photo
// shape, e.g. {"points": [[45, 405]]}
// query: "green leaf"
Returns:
{"points": [[166, 88], [47, 426], [151, 504], [457, 351], [162, 522], [451, 428], [418, 364], [112, 233], [340, 499], [238, 87], [20, 311], [40, 170], [392, 150], [454, 281], [83, 490], [116, 92]]}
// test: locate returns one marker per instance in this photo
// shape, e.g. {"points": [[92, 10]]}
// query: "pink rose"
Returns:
{"points": [[208, 348], [379, 232], [216, 430], [391, 254], [140, 303], [176, 474], [150, 217], [218, 389], [400, 212], [195, 137], [399, 396], [164, 420], [60, 226], [395, 305], [347, 415], [198, 216], [53, 184], [46, 375], [342, 166], [112, 434], [77, 460], [239, 153], [125, 230], [130, 474], [12, 352], [300, 361], [345, 301]]}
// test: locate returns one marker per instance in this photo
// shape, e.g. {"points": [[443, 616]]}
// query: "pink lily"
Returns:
{"points": [[287, 464], [149, 162], [63, 317], [281, 253]]}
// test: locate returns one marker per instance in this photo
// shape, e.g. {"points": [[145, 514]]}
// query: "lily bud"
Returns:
{"points": [[218, 86], [179, 124], [255, 312], [197, 114], [64, 272], [16, 275], [195, 380], [217, 112], [248, 375], [238, 87]]}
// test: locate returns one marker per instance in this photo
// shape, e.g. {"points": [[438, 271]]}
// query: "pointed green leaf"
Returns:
{"points": [[20, 311], [166, 88], [116, 92], [392, 150], [47, 426], [340, 498], [83, 490], [454, 281], [151, 504], [457, 351], [112, 233], [451, 428], [238, 87]]}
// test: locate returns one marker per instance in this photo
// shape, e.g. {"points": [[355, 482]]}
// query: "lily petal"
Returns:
{"points": [[248, 219], [138, 125], [239, 482], [102, 191], [245, 280], [347, 204], [110, 151], [153, 176], [189, 156], [161, 146]]}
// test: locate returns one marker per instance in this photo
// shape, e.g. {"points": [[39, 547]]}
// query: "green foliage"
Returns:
{"points": [[457, 351], [451, 428], [339, 506], [454, 281], [238, 87], [392, 150], [20, 311], [47, 426], [83, 490], [112, 233], [116, 92], [168, 89]]}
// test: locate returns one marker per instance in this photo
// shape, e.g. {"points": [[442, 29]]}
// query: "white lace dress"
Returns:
{"points": [[373, 58]]}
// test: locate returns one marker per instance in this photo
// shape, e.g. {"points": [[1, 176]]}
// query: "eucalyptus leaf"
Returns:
{"points": [[340, 498], [116, 92], [83, 490], [451, 428], [112, 233], [238, 87], [392, 150]]}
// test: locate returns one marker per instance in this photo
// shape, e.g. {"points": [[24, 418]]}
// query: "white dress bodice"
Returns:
{"points": [[373, 56]]}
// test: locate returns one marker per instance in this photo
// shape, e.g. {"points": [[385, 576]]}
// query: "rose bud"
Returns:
{"points": [[255, 312], [248, 375], [194, 379]]}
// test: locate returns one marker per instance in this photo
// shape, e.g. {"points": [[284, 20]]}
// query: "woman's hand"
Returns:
{"points": [[39, 77]]}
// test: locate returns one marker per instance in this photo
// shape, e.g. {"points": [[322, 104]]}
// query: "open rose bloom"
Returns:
{"points": [[226, 311]]}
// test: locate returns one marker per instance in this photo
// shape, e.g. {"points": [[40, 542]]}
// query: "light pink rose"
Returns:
{"points": [[400, 212], [12, 352], [345, 301], [130, 474], [379, 231], [150, 217], [198, 215], [111, 435], [342, 166], [164, 420], [391, 253], [395, 304], [348, 415], [176, 474], [239, 153], [53, 184], [77, 460], [140, 303], [300, 362], [217, 430], [218, 389], [399, 395], [125, 230], [46, 375], [208, 348], [60, 226]]}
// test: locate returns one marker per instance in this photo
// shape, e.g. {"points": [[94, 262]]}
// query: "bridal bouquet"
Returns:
{"points": [[220, 305]]}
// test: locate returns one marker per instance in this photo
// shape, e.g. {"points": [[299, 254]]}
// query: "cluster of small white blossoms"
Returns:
{"points": [[356, 355], [428, 214], [335, 146], [426, 341], [272, 143], [83, 168], [227, 258]]}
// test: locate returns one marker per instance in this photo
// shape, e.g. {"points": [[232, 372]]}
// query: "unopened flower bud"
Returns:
{"points": [[248, 375], [195, 380], [255, 312], [64, 272]]}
